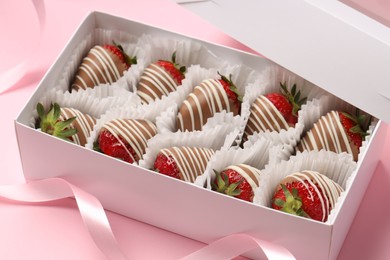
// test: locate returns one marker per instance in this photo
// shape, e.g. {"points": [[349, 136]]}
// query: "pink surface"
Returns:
{"points": [[55, 230], [376, 9]]}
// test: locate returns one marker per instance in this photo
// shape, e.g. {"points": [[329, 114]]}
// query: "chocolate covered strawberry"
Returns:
{"points": [[184, 163], [103, 64], [307, 194], [159, 79], [337, 132], [65, 123], [209, 97], [125, 139], [274, 111], [238, 181]]}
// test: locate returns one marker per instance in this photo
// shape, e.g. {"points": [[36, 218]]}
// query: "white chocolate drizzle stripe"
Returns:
{"points": [[210, 90], [275, 113], [82, 120], [90, 74], [104, 64], [149, 89], [109, 61], [242, 170], [130, 131], [94, 67], [156, 76], [193, 166], [329, 124], [164, 75]]}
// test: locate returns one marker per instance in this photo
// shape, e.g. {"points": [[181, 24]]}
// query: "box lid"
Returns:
{"points": [[326, 42]]}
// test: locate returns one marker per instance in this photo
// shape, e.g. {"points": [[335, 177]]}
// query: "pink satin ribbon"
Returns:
{"points": [[237, 244], [96, 221], [11, 76], [90, 209]]}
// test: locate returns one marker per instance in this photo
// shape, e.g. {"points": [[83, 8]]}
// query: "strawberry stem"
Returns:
{"points": [[129, 60], [222, 185], [293, 96], [51, 124], [359, 119], [182, 69], [232, 87], [292, 203]]}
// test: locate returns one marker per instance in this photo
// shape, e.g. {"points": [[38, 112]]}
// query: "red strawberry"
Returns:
{"points": [[287, 103], [307, 194], [103, 64], [231, 91], [337, 132], [208, 98], [159, 79], [66, 123], [120, 53], [116, 147], [166, 165], [274, 111], [238, 181], [184, 163], [125, 139], [353, 125]]}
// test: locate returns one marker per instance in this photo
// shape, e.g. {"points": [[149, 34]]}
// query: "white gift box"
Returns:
{"points": [[186, 209]]}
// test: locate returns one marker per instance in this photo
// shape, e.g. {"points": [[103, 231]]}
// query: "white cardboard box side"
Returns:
{"points": [[347, 212], [119, 185]]}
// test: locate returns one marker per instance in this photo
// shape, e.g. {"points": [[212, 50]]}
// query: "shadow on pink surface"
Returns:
{"points": [[368, 238], [30, 78], [376, 9]]}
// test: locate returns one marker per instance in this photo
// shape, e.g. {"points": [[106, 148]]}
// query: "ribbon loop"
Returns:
{"points": [[238, 244], [91, 210], [96, 221]]}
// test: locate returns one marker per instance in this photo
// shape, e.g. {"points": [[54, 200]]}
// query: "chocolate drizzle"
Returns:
{"points": [[154, 83], [250, 174], [191, 161], [136, 132], [264, 116], [207, 99], [100, 66], [83, 123], [328, 133]]}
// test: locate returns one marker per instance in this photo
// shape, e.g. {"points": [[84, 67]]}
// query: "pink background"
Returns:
{"points": [[55, 230]]}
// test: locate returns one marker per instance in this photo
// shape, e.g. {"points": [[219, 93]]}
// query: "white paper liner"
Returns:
{"points": [[256, 156], [338, 167], [365, 143], [215, 138]]}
